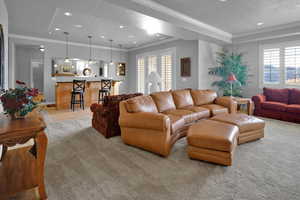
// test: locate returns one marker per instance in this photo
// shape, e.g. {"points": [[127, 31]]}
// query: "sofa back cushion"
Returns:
{"points": [[202, 97], [141, 104], [164, 101], [277, 95], [182, 98], [294, 96]]}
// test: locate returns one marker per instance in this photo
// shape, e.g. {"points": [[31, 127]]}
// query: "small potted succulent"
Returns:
{"points": [[20, 101]]}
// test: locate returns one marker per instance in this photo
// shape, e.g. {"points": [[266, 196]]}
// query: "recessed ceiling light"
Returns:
{"points": [[223, 0], [131, 36], [102, 36], [134, 42], [68, 14], [260, 23], [121, 26], [78, 25], [57, 29]]}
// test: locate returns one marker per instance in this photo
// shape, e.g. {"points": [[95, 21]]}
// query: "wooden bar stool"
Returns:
{"points": [[78, 90], [106, 85]]}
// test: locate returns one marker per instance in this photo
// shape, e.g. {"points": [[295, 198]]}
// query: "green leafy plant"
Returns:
{"points": [[20, 100], [228, 63]]}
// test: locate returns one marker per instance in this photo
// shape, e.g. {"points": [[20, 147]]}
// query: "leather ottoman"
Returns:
{"points": [[250, 128], [212, 141]]}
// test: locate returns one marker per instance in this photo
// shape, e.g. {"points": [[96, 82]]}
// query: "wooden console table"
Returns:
{"points": [[22, 169]]}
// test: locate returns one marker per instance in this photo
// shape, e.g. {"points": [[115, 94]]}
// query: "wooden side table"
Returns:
{"points": [[22, 169], [245, 102]]}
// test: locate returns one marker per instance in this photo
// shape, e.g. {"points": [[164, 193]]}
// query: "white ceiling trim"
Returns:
{"points": [[62, 42], [185, 20], [266, 38], [153, 44], [268, 29]]}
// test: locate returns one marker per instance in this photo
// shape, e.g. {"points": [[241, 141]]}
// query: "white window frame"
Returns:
{"points": [[159, 53], [281, 46]]}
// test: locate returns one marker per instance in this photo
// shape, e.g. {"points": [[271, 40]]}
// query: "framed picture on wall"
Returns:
{"points": [[1, 57], [121, 69], [185, 67]]}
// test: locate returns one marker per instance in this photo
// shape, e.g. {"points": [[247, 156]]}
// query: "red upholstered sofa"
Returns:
{"points": [[282, 104], [106, 115]]}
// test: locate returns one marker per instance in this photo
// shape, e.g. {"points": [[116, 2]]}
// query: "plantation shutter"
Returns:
{"points": [[271, 60], [292, 65], [152, 64], [166, 72], [141, 75]]}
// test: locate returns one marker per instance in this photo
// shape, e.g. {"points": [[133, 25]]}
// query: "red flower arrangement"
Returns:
{"points": [[19, 100]]}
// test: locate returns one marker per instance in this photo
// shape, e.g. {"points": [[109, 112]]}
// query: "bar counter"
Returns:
{"points": [[64, 88]]}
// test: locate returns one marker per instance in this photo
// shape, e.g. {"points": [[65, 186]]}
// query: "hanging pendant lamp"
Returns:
{"points": [[111, 62], [90, 46], [67, 60], [120, 47]]}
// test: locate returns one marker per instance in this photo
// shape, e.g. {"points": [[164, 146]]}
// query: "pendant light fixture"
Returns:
{"points": [[120, 47], [111, 62], [67, 60], [90, 46]]}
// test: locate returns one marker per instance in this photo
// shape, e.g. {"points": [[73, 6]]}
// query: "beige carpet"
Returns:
{"points": [[83, 165]]}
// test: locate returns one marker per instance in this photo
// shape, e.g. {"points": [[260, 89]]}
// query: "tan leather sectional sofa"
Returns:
{"points": [[155, 122]]}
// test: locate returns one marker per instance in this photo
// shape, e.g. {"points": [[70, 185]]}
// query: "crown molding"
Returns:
{"points": [[267, 29], [153, 44], [16, 36], [266, 38]]}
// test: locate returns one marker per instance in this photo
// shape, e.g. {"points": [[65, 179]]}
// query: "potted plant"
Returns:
{"points": [[19, 102], [230, 64]]}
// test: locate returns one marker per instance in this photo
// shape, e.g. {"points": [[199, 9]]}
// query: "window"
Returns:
{"points": [[161, 62], [271, 65], [166, 72], [141, 75], [292, 65], [280, 65], [152, 64]]}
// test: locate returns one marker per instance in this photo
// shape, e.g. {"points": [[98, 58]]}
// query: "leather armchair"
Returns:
{"points": [[106, 115]]}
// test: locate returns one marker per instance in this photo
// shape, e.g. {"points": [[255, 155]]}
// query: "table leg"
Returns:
{"points": [[41, 144], [4, 150], [250, 107]]}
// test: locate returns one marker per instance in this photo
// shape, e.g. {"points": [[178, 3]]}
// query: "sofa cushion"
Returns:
{"points": [[216, 109], [177, 123], [202, 97], [188, 116], [205, 113], [277, 95], [293, 108], [164, 101], [272, 105], [294, 96], [141, 104], [182, 98]]}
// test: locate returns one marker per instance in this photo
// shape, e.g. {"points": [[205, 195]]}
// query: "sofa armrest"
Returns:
{"points": [[258, 99], [99, 109], [145, 120], [227, 102]]}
